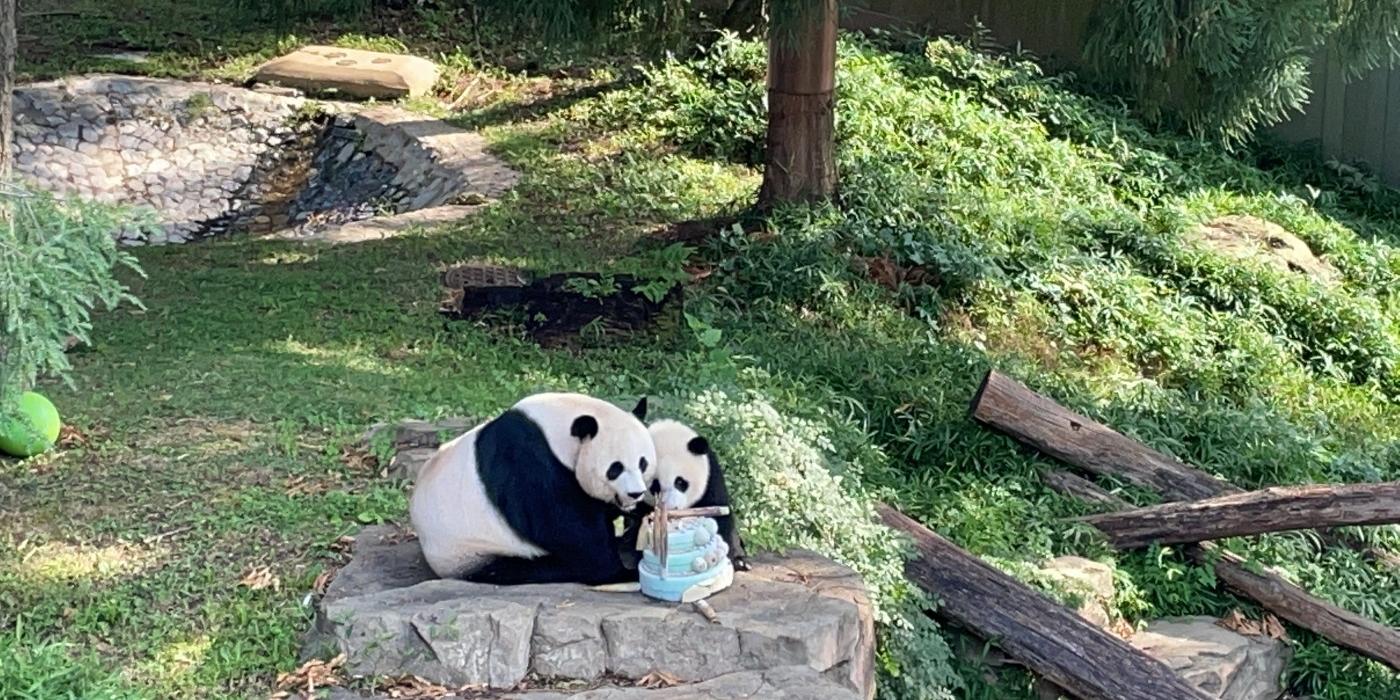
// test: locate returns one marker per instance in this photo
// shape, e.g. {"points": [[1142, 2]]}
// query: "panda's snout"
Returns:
{"points": [[636, 495]]}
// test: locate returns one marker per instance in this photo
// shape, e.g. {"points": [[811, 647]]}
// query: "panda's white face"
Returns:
{"points": [[608, 449], [613, 464], [682, 464]]}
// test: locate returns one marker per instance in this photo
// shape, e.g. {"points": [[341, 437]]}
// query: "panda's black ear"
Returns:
{"points": [[698, 445], [640, 410], [584, 428]]}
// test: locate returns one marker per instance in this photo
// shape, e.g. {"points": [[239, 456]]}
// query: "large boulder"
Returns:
{"points": [[388, 614], [1224, 664], [366, 74], [1251, 237]]}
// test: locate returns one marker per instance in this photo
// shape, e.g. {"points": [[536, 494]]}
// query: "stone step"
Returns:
{"points": [[786, 683], [389, 616]]}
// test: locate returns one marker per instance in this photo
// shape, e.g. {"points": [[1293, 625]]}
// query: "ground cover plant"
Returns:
{"points": [[989, 215]]}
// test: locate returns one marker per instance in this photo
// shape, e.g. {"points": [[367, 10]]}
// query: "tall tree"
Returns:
{"points": [[7, 84], [800, 163]]}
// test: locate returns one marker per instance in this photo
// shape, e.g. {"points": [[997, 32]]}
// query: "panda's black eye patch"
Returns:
{"points": [[643, 465], [681, 483], [655, 486], [614, 471]]}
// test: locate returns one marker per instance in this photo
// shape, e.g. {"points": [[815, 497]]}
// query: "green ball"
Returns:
{"points": [[31, 428]]}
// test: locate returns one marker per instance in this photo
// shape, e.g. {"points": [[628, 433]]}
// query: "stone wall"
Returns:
{"points": [[207, 158]]}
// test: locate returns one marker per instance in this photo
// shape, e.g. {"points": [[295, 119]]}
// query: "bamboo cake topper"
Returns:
{"points": [[660, 526]]}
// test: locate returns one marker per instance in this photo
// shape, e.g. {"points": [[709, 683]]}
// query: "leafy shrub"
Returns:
{"points": [[796, 489], [1228, 69], [712, 106], [57, 261], [1052, 234]]}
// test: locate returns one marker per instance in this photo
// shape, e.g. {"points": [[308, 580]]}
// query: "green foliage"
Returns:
{"points": [[587, 18], [1226, 69], [712, 106], [1055, 237], [796, 489], [57, 261], [35, 669], [288, 10]]}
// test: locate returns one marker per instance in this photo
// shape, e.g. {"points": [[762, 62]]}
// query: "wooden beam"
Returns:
{"points": [[1276, 509], [1047, 637], [1006, 405], [1342, 627]]}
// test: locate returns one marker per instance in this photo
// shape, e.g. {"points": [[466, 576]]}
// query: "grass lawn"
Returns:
{"points": [[1030, 228]]}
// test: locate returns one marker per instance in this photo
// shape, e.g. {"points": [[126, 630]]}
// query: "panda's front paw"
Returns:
{"points": [[741, 564]]}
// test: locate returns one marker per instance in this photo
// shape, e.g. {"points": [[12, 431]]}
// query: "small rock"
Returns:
{"points": [[1221, 663], [1092, 581]]}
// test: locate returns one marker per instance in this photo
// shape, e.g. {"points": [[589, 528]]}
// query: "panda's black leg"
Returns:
{"points": [[515, 571], [729, 530]]}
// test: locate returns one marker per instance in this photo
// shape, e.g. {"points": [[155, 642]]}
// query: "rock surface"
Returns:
{"points": [[351, 71], [389, 616], [1223, 663], [1252, 237], [786, 683], [204, 158], [1090, 580]]}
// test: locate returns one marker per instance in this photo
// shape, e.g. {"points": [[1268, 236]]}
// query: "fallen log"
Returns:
{"points": [[1276, 509], [1342, 627], [1047, 637], [1006, 405]]}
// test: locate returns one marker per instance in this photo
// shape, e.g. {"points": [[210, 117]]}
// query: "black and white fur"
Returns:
{"points": [[530, 496], [688, 475]]}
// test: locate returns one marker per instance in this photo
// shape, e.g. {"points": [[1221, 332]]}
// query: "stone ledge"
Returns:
{"points": [[785, 683], [387, 613]]}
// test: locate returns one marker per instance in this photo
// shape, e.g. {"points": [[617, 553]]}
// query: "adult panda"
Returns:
{"points": [[530, 496], [688, 475]]}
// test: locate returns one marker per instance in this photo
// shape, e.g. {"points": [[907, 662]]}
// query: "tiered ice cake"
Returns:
{"points": [[697, 562]]}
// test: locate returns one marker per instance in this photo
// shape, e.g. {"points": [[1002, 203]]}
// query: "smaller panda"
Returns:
{"points": [[688, 475], [530, 496]]}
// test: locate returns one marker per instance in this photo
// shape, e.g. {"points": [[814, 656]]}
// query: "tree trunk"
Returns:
{"points": [[1341, 627], [1007, 405], [1047, 637], [1252, 513], [801, 160], [8, 47]]}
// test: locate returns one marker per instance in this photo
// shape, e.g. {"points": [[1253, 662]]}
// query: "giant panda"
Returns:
{"points": [[530, 496], [688, 475]]}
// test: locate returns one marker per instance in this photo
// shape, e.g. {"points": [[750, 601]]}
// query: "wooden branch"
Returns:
{"points": [[1006, 405], [1047, 637], [1342, 627], [1252, 513]]}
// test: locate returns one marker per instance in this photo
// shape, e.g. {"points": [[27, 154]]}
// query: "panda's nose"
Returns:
{"points": [[636, 495]]}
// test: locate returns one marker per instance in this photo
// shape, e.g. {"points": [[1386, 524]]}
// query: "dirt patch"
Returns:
{"points": [[1251, 237], [559, 309]]}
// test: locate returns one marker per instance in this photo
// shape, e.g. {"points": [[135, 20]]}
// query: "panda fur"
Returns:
{"points": [[688, 475], [530, 496]]}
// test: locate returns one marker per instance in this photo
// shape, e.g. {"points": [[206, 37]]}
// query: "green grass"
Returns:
{"points": [[1051, 228]]}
